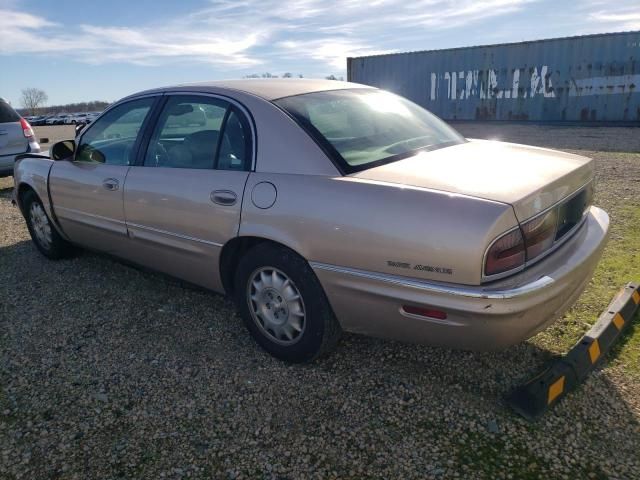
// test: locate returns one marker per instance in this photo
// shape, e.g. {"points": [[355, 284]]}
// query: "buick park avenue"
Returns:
{"points": [[323, 207]]}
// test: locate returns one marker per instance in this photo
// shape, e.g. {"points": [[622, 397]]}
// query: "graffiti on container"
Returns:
{"points": [[487, 84], [484, 84]]}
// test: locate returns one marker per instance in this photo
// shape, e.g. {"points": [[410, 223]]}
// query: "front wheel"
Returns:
{"points": [[43, 234], [283, 305]]}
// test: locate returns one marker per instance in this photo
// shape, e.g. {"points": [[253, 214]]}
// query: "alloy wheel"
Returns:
{"points": [[40, 225]]}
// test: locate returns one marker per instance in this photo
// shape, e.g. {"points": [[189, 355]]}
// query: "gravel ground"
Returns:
{"points": [[110, 372]]}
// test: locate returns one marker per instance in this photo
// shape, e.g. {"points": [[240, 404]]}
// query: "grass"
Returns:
{"points": [[493, 457], [620, 264]]}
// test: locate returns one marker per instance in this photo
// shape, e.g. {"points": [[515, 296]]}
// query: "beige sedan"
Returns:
{"points": [[323, 207]]}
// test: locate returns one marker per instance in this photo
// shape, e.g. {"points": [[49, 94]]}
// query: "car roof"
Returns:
{"points": [[269, 88]]}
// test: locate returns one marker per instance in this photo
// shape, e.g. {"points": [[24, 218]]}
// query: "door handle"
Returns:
{"points": [[224, 197], [111, 184]]}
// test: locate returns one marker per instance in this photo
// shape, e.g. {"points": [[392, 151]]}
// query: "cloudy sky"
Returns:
{"points": [[103, 50]]}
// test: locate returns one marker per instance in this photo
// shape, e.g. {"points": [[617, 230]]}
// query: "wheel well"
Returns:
{"points": [[22, 189], [231, 254]]}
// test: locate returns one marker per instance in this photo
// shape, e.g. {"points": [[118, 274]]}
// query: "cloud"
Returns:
{"points": [[244, 34], [23, 33], [329, 52], [231, 32], [156, 46], [618, 19], [22, 20]]}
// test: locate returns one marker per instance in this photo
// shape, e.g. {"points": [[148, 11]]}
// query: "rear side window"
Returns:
{"points": [[199, 132], [365, 128], [235, 148], [7, 114]]}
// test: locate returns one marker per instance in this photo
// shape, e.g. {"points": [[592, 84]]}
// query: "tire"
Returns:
{"points": [[43, 233], [279, 328]]}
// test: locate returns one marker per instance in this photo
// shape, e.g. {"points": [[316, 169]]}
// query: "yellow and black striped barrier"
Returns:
{"points": [[540, 393]]}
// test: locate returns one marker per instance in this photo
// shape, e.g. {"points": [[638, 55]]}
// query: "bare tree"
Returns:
{"points": [[32, 98]]}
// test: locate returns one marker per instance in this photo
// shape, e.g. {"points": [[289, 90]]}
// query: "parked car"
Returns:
{"points": [[77, 119], [41, 120], [35, 120], [82, 118], [59, 119], [52, 120], [323, 206], [16, 137]]}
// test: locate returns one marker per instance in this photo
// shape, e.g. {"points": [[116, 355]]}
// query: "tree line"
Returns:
{"points": [[34, 102], [92, 106], [287, 75]]}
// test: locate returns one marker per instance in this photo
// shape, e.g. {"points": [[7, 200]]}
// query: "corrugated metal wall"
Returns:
{"points": [[584, 79]]}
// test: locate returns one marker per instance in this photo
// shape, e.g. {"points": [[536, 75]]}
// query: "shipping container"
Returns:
{"points": [[591, 78]]}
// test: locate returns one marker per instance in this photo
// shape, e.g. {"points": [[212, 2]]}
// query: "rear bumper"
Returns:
{"points": [[7, 161], [6, 165], [478, 317]]}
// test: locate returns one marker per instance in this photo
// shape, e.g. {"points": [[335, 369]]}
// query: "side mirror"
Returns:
{"points": [[63, 150]]}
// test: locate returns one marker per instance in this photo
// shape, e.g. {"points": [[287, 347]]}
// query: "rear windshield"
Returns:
{"points": [[363, 128], [7, 114]]}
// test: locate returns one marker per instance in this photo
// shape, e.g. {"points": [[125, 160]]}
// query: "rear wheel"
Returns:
{"points": [[283, 305], [42, 232]]}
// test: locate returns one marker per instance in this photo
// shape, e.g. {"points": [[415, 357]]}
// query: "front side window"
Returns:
{"points": [[363, 128], [199, 132], [111, 139]]}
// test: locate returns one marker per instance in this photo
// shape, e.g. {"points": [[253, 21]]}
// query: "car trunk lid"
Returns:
{"points": [[531, 179]]}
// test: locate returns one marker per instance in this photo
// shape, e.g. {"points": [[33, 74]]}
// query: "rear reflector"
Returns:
{"points": [[425, 312], [27, 131]]}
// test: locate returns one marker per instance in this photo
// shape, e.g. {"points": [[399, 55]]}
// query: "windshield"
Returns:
{"points": [[363, 128]]}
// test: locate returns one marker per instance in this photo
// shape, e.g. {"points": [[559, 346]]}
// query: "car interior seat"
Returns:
{"points": [[232, 150], [202, 147]]}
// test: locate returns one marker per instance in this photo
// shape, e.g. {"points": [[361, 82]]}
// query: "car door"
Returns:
{"points": [[87, 190], [182, 202]]}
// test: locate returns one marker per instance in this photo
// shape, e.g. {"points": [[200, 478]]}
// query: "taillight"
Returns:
{"points": [[27, 131], [540, 233], [506, 253]]}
